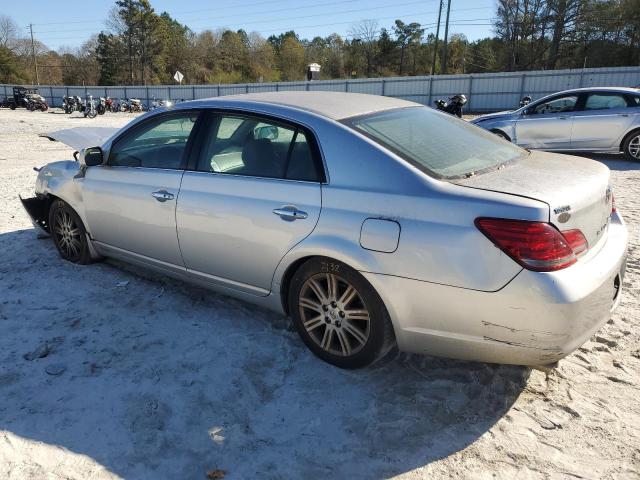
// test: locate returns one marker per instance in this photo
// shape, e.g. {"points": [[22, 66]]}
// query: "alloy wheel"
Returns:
{"points": [[67, 234], [334, 314], [634, 147]]}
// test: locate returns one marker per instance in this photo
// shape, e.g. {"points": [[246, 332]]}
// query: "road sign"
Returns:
{"points": [[178, 76]]}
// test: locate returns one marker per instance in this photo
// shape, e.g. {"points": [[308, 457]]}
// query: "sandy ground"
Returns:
{"points": [[146, 378]]}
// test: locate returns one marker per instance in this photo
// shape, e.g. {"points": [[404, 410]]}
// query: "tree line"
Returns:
{"points": [[140, 46]]}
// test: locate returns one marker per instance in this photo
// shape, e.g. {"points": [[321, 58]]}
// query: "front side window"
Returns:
{"points": [[440, 145], [555, 105], [605, 101], [257, 148], [159, 144]]}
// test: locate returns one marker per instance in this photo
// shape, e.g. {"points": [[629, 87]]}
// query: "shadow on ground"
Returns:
{"points": [[156, 379]]}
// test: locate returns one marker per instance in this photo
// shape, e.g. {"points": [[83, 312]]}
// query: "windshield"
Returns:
{"points": [[441, 145]]}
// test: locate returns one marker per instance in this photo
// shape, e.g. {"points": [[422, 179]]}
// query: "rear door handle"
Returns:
{"points": [[624, 114], [162, 195], [290, 213]]}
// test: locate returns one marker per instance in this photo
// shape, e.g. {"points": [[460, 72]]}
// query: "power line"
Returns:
{"points": [[299, 17], [238, 26]]}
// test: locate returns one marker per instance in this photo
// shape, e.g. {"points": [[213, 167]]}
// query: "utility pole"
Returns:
{"points": [[446, 37], [33, 52], [435, 47]]}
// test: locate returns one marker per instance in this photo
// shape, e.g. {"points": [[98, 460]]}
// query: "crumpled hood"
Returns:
{"points": [[81, 137], [493, 116]]}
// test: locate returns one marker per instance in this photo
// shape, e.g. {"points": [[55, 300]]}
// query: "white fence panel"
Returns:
{"points": [[486, 91]]}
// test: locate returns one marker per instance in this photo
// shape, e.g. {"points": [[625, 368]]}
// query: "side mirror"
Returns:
{"points": [[269, 132], [92, 156]]}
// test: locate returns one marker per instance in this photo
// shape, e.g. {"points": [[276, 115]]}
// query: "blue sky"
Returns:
{"points": [[307, 17]]}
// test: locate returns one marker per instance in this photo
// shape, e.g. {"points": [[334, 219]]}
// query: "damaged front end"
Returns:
{"points": [[38, 209]]}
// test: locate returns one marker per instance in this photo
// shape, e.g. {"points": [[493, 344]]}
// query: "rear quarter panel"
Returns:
{"points": [[438, 242]]}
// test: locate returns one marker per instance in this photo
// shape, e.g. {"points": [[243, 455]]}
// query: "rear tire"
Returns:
{"points": [[338, 314], [631, 146], [68, 233]]}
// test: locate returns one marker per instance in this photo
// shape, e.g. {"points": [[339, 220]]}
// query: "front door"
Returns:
{"points": [[547, 125], [131, 200], [604, 118], [253, 194]]}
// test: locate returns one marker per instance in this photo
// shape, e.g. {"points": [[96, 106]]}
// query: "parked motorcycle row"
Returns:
{"points": [[91, 107]]}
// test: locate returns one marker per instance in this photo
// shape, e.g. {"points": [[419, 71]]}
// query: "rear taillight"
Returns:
{"points": [[576, 241], [613, 204], [537, 246]]}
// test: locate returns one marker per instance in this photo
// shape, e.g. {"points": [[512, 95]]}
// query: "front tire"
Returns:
{"points": [[631, 146], [338, 314], [68, 233]]}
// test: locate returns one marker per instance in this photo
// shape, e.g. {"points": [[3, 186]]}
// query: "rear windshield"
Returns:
{"points": [[441, 145]]}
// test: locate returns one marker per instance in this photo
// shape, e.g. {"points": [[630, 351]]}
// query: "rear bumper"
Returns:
{"points": [[536, 319]]}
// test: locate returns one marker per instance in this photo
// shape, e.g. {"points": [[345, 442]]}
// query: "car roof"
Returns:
{"points": [[334, 105], [599, 89]]}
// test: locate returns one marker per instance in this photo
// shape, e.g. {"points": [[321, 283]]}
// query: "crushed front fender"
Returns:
{"points": [[38, 210]]}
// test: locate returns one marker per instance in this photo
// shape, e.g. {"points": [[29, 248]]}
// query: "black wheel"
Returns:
{"points": [[69, 234], [631, 146], [338, 314]]}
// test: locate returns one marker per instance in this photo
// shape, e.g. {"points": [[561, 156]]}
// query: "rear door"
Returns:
{"points": [[547, 124], [603, 119], [252, 192], [131, 200]]}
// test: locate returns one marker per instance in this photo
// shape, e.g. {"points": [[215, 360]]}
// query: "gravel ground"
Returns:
{"points": [[109, 372]]}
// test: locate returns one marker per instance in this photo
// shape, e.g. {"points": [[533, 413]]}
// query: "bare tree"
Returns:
{"points": [[8, 32], [366, 32]]}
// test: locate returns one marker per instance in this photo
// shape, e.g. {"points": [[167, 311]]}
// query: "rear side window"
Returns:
{"points": [[258, 148], [159, 144], [605, 101], [439, 144]]}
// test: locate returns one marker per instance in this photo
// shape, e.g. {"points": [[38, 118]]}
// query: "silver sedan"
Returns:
{"points": [[581, 120], [373, 222]]}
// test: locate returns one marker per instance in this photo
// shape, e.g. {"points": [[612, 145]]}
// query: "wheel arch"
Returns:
{"points": [[358, 259], [499, 131]]}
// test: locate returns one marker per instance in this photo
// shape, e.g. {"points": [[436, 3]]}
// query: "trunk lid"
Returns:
{"points": [[576, 189]]}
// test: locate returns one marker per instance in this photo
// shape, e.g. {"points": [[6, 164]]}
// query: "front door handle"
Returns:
{"points": [[162, 195], [290, 213]]}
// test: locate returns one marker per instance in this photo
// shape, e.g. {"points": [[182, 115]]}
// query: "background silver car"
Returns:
{"points": [[587, 119], [372, 221]]}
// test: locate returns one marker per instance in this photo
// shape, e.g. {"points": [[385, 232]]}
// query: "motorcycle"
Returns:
{"points": [[90, 107], [454, 106], [101, 107], [71, 104], [109, 104], [135, 105], [526, 100], [155, 103], [123, 106]]}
